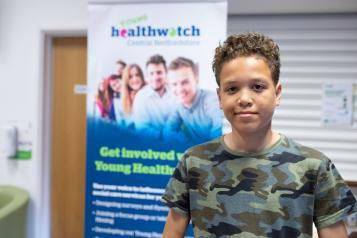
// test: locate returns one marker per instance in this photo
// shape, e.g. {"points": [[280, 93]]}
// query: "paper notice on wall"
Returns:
{"points": [[337, 104]]}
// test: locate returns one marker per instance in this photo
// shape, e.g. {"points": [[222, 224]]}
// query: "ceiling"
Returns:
{"points": [[291, 6], [268, 6]]}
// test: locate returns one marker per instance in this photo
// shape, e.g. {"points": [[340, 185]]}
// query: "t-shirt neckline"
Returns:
{"points": [[251, 154]]}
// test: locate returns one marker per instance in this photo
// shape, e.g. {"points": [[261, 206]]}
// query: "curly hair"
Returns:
{"points": [[244, 45]]}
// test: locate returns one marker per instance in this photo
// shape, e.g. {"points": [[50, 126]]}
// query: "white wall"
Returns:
{"points": [[22, 27], [21, 73]]}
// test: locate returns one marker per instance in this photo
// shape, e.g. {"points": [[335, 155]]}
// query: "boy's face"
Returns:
{"points": [[183, 84], [247, 94], [156, 76]]}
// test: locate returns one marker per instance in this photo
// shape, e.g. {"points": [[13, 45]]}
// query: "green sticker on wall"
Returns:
{"points": [[22, 155]]}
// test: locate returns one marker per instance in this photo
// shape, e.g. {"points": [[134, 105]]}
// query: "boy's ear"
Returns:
{"points": [[278, 89], [219, 97]]}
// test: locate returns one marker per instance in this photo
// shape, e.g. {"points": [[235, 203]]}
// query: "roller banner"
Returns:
{"points": [[150, 96]]}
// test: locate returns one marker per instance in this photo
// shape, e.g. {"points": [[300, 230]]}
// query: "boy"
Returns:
{"points": [[254, 182], [197, 117]]}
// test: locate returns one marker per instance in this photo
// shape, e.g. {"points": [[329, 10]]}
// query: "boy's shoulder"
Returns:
{"points": [[302, 150], [300, 156]]}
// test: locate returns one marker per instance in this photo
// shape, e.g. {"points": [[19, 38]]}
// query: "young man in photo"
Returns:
{"points": [[197, 117], [152, 103]]}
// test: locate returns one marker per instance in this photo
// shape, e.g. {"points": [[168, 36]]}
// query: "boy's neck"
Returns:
{"points": [[254, 142]]}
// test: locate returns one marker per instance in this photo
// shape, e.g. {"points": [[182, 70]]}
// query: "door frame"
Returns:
{"points": [[46, 102]]}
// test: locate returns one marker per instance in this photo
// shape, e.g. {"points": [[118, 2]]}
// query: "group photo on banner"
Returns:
{"points": [[151, 94]]}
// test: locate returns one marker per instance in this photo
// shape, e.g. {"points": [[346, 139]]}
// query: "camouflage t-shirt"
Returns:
{"points": [[278, 192]]}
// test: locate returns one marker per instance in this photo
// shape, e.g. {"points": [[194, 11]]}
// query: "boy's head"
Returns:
{"points": [[157, 72], [244, 45], [247, 72], [183, 80]]}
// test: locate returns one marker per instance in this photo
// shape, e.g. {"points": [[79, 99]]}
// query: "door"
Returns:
{"points": [[69, 61]]}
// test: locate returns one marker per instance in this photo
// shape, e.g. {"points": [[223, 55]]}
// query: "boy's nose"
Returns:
{"points": [[245, 99]]}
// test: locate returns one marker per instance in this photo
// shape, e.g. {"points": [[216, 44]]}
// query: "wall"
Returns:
{"points": [[22, 27], [21, 72]]}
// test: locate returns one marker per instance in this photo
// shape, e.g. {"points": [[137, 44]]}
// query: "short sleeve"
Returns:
{"points": [[176, 194], [333, 198]]}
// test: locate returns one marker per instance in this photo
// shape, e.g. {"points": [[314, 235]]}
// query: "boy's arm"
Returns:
{"points": [[176, 225], [333, 231]]}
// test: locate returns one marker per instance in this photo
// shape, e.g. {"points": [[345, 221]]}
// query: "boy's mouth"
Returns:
{"points": [[245, 114]]}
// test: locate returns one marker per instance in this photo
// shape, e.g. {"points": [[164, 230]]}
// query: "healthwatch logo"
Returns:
{"points": [[149, 31]]}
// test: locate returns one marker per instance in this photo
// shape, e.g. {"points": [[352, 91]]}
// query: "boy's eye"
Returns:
{"points": [[231, 90], [258, 87]]}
